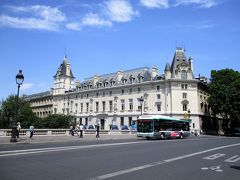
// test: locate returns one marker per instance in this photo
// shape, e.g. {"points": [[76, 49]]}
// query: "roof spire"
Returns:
{"points": [[65, 54]]}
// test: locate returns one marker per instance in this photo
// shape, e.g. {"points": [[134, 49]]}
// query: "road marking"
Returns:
{"points": [[42, 150], [213, 168], [126, 171], [214, 156], [233, 159]]}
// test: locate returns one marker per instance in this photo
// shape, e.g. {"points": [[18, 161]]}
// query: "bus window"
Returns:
{"points": [[145, 126]]}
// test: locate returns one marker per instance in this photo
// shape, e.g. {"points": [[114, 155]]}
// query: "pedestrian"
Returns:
{"points": [[71, 130], [31, 129], [77, 129], [81, 131], [18, 129], [97, 130]]}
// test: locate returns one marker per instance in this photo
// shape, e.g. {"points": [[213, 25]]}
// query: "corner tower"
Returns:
{"points": [[181, 68], [63, 79]]}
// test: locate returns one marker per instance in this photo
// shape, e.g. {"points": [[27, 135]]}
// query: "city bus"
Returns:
{"points": [[162, 127]]}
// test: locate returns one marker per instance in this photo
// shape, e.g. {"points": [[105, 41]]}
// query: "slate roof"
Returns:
{"points": [[63, 69], [130, 76]]}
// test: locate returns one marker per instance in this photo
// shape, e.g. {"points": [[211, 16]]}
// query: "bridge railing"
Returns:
{"points": [[62, 132]]}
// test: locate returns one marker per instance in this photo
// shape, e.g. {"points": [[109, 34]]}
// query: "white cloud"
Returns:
{"points": [[34, 17], [201, 3], [155, 3], [27, 23], [74, 26], [92, 19], [26, 86], [119, 10]]}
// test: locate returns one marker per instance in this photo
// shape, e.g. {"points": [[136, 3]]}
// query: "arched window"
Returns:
{"points": [[183, 74]]}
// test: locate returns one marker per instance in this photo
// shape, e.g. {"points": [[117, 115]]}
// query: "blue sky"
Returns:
{"points": [[103, 36]]}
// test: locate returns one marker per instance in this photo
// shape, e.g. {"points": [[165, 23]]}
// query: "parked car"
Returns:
{"points": [[236, 131], [115, 127], [124, 127], [91, 127]]}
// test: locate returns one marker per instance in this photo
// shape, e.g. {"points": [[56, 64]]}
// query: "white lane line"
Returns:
{"points": [[42, 150], [126, 171]]}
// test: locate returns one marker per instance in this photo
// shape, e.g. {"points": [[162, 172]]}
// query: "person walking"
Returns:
{"points": [[77, 128], [18, 129], [71, 130], [81, 131], [97, 130], [31, 131]]}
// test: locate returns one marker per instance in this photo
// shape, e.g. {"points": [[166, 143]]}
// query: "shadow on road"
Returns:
{"points": [[235, 167]]}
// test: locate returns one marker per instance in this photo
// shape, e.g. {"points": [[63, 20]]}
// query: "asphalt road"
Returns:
{"points": [[197, 158]]}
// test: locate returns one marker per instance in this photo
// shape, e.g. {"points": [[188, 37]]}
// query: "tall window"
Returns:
{"points": [[184, 107], [122, 121], [110, 105], [159, 107], [130, 91], [97, 106], [184, 86], [103, 106], [158, 87], [86, 121], [122, 105], [184, 95], [129, 121], [87, 107], [81, 107], [130, 104], [158, 96], [122, 91], [183, 75]]}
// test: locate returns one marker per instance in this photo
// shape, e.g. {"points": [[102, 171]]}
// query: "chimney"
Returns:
{"points": [[154, 71], [119, 75]]}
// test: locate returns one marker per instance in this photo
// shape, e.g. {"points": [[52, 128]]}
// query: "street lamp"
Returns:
{"points": [[189, 113], [19, 81], [141, 102]]}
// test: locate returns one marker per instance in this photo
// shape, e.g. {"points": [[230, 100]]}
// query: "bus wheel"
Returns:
{"points": [[148, 138], [163, 136], [181, 136]]}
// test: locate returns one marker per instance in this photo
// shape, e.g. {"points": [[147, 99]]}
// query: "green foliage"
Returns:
{"points": [[8, 111], [26, 117], [56, 121], [224, 90]]}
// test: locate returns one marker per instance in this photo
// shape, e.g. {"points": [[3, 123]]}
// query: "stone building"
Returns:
{"points": [[120, 98]]}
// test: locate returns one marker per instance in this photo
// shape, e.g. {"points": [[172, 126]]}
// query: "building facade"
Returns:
{"points": [[120, 98]]}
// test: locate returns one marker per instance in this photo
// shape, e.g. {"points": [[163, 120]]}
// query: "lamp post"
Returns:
{"points": [[19, 81], [189, 112], [141, 102]]}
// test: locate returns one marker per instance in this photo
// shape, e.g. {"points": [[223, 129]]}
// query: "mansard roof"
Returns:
{"points": [[129, 76], [38, 95], [62, 70]]}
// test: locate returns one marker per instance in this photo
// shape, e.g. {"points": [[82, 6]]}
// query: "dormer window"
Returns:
{"points": [[183, 75]]}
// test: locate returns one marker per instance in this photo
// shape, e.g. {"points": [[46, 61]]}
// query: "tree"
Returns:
{"points": [[224, 100], [8, 111], [56, 121]]}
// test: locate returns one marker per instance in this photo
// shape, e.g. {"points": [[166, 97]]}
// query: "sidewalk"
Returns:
{"points": [[65, 138]]}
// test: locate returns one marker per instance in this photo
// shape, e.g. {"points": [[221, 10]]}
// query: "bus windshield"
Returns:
{"points": [[145, 126]]}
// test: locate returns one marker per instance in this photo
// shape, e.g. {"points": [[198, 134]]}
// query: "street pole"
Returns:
{"points": [[141, 102], [189, 113], [19, 81]]}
